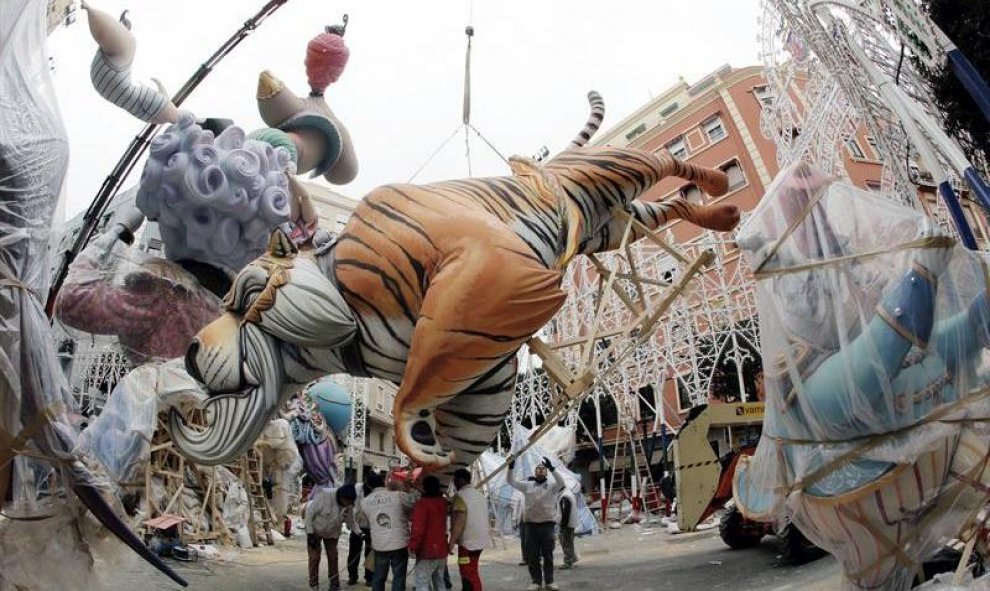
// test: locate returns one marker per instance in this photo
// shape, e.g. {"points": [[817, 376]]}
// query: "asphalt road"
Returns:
{"points": [[630, 559]]}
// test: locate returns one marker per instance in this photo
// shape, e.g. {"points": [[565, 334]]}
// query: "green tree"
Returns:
{"points": [[966, 22]]}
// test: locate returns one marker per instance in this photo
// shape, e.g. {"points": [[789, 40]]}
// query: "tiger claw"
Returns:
{"points": [[415, 431]]}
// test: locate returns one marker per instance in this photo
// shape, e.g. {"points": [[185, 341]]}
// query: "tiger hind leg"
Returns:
{"points": [[469, 422], [484, 303]]}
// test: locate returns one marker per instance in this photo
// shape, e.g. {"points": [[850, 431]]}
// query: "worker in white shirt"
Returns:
{"points": [[468, 529], [324, 515], [539, 519], [568, 523], [387, 512], [359, 543]]}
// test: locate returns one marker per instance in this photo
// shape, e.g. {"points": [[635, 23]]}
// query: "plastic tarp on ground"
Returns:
{"points": [[873, 326], [506, 501]]}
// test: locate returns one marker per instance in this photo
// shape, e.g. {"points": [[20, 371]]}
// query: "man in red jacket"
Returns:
{"points": [[428, 536]]}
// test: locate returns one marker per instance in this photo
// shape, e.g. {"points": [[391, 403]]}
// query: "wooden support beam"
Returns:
{"points": [[651, 236], [589, 351], [634, 306], [555, 367], [580, 340]]}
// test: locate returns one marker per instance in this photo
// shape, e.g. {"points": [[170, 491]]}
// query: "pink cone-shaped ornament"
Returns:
{"points": [[326, 58]]}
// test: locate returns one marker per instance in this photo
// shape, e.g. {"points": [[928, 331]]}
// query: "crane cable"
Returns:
{"points": [[465, 112]]}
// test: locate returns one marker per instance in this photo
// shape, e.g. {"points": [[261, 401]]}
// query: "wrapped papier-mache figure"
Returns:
{"points": [[873, 325]]}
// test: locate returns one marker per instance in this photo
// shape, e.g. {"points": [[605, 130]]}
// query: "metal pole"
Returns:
{"points": [[601, 459]]}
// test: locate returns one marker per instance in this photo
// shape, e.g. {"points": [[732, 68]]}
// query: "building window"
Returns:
{"points": [[678, 149], [873, 185], [854, 150], [381, 441], [647, 402], [380, 399], [367, 439], [683, 394], [668, 109], [692, 194], [714, 129], [636, 132], [735, 173], [920, 175], [764, 95], [873, 146]]}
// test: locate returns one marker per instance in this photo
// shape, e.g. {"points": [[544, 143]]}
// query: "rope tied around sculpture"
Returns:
{"points": [[18, 284], [928, 242], [872, 441]]}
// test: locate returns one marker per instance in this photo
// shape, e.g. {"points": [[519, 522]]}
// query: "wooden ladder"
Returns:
{"points": [[256, 496], [627, 447]]}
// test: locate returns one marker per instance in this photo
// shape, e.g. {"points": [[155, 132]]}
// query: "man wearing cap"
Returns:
{"points": [[325, 513]]}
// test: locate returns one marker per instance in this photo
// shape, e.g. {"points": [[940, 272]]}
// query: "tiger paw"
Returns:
{"points": [[415, 432], [721, 217]]}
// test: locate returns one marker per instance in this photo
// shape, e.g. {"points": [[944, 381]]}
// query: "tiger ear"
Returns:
{"points": [[523, 166], [279, 245]]}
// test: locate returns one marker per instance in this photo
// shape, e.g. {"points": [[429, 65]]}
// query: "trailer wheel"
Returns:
{"points": [[735, 532], [795, 548]]}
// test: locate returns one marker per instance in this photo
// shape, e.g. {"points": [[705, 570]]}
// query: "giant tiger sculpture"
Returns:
{"points": [[431, 287]]}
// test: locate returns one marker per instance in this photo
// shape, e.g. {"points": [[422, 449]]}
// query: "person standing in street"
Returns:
{"points": [[325, 513], [428, 537], [539, 519], [516, 505], [387, 512], [568, 523], [360, 539], [469, 529]]}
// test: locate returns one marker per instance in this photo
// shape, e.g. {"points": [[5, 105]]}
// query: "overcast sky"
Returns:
{"points": [[401, 95]]}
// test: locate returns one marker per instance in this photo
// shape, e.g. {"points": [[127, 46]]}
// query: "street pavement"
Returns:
{"points": [[630, 559]]}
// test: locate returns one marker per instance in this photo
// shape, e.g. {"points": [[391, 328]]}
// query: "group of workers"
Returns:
{"points": [[389, 523]]}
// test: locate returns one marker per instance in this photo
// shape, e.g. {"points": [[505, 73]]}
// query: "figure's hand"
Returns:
{"points": [[934, 258], [548, 464], [512, 464], [451, 547]]}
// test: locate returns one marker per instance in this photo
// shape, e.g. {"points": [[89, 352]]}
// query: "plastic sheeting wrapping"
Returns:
{"points": [[873, 327], [236, 506], [33, 158], [946, 582], [281, 461], [120, 437], [506, 501], [153, 306]]}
